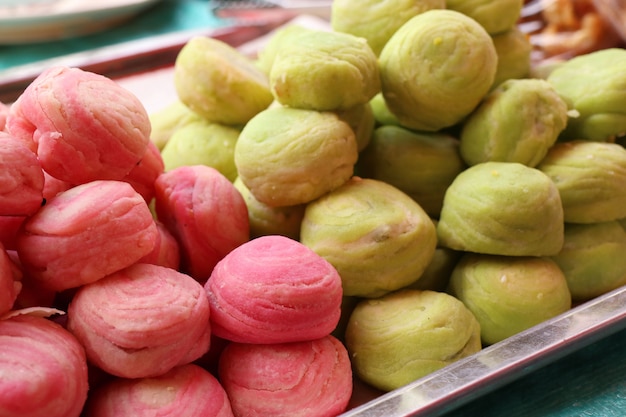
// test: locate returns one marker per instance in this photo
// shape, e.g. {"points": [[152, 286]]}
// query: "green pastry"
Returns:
{"points": [[325, 71], [408, 334], [283, 35], [517, 122], [265, 220], [219, 83], [496, 16], [202, 143], [502, 208], [514, 50], [436, 69], [382, 114], [509, 294], [596, 85], [164, 122], [592, 258], [422, 164], [376, 236], [437, 274], [361, 120], [288, 156], [591, 179], [377, 20]]}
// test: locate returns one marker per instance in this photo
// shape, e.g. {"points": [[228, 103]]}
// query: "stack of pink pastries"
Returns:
{"points": [[70, 127], [277, 302], [77, 177], [80, 146], [148, 267]]}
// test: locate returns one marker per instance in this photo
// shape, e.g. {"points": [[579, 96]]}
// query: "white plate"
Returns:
{"points": [[27, 21]]}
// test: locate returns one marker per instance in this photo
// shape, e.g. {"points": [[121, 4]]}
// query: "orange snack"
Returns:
{"points": [[141, 321], [562, 29], [43, 369], [184, 391], [82, 125], [86, 233], [299, 379], [273, 289]]}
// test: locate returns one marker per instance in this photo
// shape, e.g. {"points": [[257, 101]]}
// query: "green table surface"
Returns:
{"points": [[588, 382]]}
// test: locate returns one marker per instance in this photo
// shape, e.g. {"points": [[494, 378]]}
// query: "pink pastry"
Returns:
{"points": [[53, 186], [21, 178], [30, 294], [9, 228], [10, 285], [206, 214], [43, 369], [184, 391], [33, 295], [4, 113], [141, 321], [165, 252], [299, 379], [209, 360], [143, 175], [86, 233], [273, 289], [82, 125]]}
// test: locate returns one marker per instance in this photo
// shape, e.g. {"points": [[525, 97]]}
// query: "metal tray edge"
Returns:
{"points": [[503, 362]]}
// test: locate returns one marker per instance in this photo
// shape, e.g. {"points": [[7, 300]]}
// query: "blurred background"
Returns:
{"points": [[32, 30], [35, 30]]}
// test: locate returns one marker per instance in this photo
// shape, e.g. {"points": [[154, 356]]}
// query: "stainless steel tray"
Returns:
{"points": [[142, 64]]}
